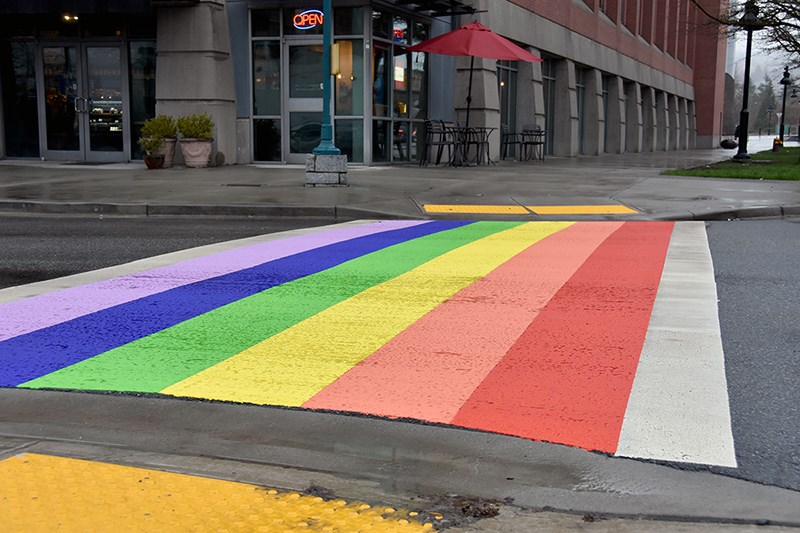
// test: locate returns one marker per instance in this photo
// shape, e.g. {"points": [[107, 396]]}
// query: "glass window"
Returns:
{"points": [[400, 83], [421, 32], [305, 71], [419, 85], [266, 22], [302, 21], [101, 26], [349, 86], [266, 78], [380, 138], [400, 30], [267, 139], [60, 92], [507, 88], [350, 139], [305, 131], [380, 81], [348, 21], [20, 115], [143, 89], [381, 23], [400, 141]]}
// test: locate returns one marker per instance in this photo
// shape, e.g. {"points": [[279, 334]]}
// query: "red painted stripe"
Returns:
{"points": [[568, 377], [430, 369]]}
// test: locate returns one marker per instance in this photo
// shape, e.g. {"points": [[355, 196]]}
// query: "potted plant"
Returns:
{"points": [[196, 138], [151, 145], [165, 128]]}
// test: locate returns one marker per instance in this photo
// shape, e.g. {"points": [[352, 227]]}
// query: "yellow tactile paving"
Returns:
{"points": [[40, 493], [477, 209], [581, 209]]}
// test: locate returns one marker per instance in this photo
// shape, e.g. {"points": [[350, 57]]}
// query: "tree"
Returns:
{"points": [[779, 21], [763, 99]]}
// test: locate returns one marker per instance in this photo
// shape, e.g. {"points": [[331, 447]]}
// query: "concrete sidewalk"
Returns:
{"points": [[400, 191]]}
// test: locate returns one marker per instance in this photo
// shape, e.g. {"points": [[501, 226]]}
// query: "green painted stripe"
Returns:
{"points": [[155, 362]]}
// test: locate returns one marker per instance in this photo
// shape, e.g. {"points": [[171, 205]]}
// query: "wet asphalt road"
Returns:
{"points": [[757, 266]]}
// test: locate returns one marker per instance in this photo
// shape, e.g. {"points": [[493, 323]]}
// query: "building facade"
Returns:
{"points": [[79, 77]]}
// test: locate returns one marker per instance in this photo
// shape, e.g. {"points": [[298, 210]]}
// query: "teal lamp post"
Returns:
{"points": [[326, 146], [326, 165]]}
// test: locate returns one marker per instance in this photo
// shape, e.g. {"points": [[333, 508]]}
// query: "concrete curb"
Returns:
{"points": [[345, 213]]}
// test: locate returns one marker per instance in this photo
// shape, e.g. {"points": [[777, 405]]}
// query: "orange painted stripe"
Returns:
{"points": [[567, 379], [429, 371]]}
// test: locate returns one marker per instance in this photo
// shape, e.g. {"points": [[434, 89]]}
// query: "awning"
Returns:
{"points": [[432, 8], [39, 7]]}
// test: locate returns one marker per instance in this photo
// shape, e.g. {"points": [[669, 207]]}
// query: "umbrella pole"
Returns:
{"points": [[469, 90]]}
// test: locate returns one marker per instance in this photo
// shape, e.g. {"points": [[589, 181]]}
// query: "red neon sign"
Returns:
{"points": [[308, 19]]}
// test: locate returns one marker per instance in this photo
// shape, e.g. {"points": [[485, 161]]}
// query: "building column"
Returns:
{"points": [[195, 72], [684, 114], [675, 122], [593, 114], [485, 108], [615, 114], [662, 122], [633, 118], [566, 112], [692, 116], [649, 129]]}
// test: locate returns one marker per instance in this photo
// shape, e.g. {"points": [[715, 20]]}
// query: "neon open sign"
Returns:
{"points": [[308, 19]]}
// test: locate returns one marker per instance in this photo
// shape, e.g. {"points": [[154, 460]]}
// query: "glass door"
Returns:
{"points": [[84, 102], [303, 100]]}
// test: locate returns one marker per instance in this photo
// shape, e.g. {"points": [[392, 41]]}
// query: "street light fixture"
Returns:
{"points": [[785, 81], [751, 23]]}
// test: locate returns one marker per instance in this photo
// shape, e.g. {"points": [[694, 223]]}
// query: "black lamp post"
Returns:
{"points": [[793, 96], [751, 23], [785, 81]]}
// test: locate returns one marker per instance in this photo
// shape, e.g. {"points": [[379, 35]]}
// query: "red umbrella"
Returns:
{"points": [[474, 39]]}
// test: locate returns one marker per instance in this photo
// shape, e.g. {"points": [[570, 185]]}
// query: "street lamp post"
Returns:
{"points": [[326, 146], [785, 81], [751, 23]]}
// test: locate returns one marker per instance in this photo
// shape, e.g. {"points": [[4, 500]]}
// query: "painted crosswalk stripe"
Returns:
{"points": [[431, 368], [568, 377], [171, 355], [291, 367], [140, 279], [35, 354], [678, 408]]}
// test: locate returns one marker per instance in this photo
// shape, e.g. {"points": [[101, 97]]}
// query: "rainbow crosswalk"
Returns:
{"points": [[552, 331]]}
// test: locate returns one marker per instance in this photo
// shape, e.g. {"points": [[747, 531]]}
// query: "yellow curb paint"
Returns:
{"points": [[477, 209], [294, 365], [42, 493], [581, 209]]}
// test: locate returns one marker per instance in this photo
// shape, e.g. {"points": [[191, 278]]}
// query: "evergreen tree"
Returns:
{"points": [[763, 107]]}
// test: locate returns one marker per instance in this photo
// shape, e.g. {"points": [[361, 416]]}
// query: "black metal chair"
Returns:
{"points": [[508, 138], [532, 142], [437, 136]]}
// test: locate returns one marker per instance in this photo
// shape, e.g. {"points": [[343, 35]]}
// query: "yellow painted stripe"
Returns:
{"points": [[477, 209], [581, 209], [45, 493], [294, 365]]}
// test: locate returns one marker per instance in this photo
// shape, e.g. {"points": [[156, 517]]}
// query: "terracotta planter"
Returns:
{"points": [[153, 162], [196, 152], [168, 151]]}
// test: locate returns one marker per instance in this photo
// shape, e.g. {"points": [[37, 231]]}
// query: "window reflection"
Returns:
{"points": [[380, 81], [401, 83], [266, 78], [349, 86]]}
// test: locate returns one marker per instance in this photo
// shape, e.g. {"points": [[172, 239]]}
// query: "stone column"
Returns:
{"points": [[662, 122], [195, 72], [684, 113], [593, 114], [633, 118], [615, 115], [485, 108], [539, 116], [675, 122], [692, 116], [649, 130], [566, 112]]}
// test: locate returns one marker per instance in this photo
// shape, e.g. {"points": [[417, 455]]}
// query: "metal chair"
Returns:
{"points": [[532, 142], [438, 136], [507, 138]]}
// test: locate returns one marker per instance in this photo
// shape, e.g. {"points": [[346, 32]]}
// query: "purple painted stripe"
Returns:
{"points": [[30, 314]]}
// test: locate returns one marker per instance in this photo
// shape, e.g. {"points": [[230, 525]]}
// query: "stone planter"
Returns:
{"points": [[196, 152], [168, 151]]}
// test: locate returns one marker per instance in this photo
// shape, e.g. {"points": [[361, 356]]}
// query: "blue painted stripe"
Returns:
{"points": [[41, 352]]}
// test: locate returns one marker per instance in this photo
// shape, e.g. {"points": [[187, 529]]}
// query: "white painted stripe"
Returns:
{"points": [[678, 409], [11, 294]]}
